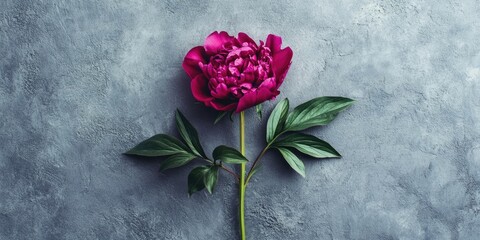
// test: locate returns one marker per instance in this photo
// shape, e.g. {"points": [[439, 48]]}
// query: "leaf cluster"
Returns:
{"points": [[179, 153], [283, 129], [283, 133]]}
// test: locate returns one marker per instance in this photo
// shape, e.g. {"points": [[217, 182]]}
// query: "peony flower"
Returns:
{"points": [[229, 73]]}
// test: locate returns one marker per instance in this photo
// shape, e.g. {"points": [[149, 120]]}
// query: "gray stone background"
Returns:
{"points": [[83, 81]]}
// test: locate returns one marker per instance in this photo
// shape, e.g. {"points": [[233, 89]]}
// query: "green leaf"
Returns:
{"points": [[196, 179], [176, 160], [316, 112], [158, 145], [277, 119], [228, 155], [293, 160], [210, 179], [189, 134], [308, 144], [258, 109], [220, 116]]}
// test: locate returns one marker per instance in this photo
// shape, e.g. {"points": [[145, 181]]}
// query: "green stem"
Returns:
{"points": [[242, 178], [230, 171], [259, 157]]}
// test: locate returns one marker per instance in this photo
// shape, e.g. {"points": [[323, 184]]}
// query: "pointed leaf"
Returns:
{"points": [[316, 112], [309, 145], [277, 119], [258, 109], [228, 155], [158, 145], [176, 160], [195, 179], [189, 134], [210, 179], [293, 160]]}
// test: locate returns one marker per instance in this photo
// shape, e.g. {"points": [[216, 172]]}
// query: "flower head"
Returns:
{"points": [[229, 73]]}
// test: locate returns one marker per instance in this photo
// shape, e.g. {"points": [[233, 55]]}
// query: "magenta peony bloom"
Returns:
{"points": [[231, 73]]}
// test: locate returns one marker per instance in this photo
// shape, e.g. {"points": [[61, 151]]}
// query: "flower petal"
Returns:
{"points": [[222, 106], [281, 63], [269, 83], [191, 60], [273, 42], [221, 91], [255, 97], [200, 91], [243, 37], [215, 41]]}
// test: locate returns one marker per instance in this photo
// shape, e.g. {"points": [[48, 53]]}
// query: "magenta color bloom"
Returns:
{"points": [[231, 73]]}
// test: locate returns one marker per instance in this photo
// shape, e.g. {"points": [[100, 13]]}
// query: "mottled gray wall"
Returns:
{"points": [[83, 81]]}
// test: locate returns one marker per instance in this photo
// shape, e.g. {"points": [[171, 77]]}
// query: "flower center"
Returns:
{"points": [[237, 70]]}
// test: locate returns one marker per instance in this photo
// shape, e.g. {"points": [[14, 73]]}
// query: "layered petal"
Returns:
{"points": [[281, 63], [192, 59], [269, 83], [220, 92], [274, 42], [244, 38], [255, 97], [200, 91], [215, 41], [234, 73]]}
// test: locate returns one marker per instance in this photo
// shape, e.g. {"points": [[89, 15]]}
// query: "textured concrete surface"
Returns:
{"points": [[83, 81]]}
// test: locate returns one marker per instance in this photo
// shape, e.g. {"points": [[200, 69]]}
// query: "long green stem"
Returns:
{"points": [[242, 178]]}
